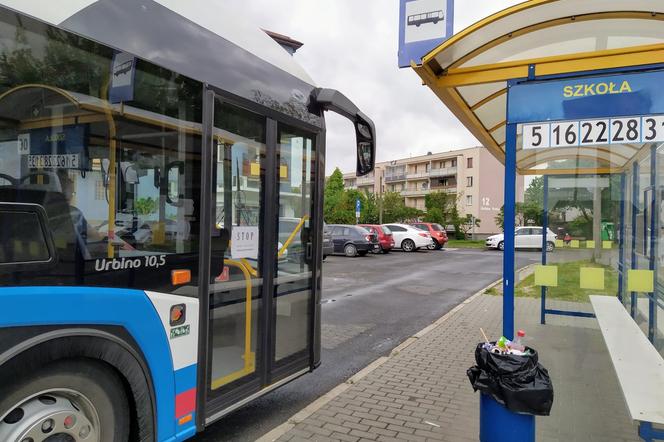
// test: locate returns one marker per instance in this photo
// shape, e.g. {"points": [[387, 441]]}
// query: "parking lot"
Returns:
{"points": [[370, 305]]}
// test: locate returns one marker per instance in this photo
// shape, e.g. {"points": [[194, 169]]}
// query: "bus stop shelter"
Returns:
{"points": [[570, 95]]}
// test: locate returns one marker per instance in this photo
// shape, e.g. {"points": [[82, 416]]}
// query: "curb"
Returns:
{"points": [[310, 409]]}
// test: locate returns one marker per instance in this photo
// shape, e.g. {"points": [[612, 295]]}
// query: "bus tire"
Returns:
{"points": [[96, 392]]}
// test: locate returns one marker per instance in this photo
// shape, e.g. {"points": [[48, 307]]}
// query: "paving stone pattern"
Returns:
{"points": [[422, 393]]}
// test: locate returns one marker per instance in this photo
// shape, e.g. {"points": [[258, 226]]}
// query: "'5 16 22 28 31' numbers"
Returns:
{"points": [[644, 129]]}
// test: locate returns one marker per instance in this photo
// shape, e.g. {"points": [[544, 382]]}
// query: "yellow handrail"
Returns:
{"points": [[249, 364], [292, 236]]}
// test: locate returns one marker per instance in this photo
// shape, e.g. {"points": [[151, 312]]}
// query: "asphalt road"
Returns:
{"points": [[370, 305]]}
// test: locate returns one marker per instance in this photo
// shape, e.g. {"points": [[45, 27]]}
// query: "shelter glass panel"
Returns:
{"points": [[590, 217]]}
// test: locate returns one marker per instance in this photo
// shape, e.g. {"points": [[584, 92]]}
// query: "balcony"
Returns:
{"points": [[448, 189], [415, 192], [393, 178], [414, 176], [446, 171], [363, 181]]}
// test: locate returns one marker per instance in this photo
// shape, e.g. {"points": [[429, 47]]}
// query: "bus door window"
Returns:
{"points": [[294, 283], [236, 291]]}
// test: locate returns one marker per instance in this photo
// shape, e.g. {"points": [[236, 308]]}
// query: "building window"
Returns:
{"points": [[453, 163], [469, 163], [469, 200], [469, 181]]}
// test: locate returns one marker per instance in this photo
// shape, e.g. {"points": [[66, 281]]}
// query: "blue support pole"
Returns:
{"points": [[508, 224], [545, 227], [652, 311], [621, 239], [635, 210]]}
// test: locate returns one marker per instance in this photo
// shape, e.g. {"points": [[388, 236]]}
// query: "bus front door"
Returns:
{"points": [[294, 282], [261, 293], [237, 289]]}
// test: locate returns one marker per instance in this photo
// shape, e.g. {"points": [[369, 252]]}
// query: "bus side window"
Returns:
{"points": [[25, 243]]}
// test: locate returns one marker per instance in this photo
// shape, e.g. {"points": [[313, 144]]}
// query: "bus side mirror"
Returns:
{"points": [[365, 135], [365, 131]]}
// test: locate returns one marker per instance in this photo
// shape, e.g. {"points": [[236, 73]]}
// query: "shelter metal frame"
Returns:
{"points": [[449, 72]]}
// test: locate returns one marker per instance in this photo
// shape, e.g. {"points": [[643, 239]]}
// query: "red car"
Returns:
{"points": [[437, 232], [385, 237]]}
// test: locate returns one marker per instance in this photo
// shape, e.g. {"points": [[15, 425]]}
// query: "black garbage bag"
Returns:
{"points": [[520, 383]]}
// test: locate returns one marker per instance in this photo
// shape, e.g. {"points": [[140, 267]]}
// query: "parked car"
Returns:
{"points": [[437, 232], [328, 245], [353, 240], [529, 237], [409, 238], [385, 237]]}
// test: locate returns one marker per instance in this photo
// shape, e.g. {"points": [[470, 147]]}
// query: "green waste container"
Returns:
{"points": [[608, 231]]}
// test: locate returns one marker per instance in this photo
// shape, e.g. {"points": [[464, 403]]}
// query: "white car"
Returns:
{"points": [[409, 238], [529, 237]]}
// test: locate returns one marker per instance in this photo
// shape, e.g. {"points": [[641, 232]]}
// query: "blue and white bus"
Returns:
{"points": [[161, 179]]}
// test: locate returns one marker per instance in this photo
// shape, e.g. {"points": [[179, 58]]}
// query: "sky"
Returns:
{"points": [[351, 46]]}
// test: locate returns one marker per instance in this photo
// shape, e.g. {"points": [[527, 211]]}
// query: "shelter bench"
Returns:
{"points": [[638, 365]]}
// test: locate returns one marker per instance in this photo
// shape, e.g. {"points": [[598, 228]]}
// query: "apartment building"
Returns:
{"points": [[473, 175]]}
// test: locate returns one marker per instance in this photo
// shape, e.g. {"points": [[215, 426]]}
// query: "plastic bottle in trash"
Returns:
{"points": [[517, 344]]}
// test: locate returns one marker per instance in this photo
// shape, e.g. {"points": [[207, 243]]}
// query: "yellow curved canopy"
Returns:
{"points": [[469, 72]]}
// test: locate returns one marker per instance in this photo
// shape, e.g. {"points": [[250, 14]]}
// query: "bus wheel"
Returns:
{"points": [[66, 401]]}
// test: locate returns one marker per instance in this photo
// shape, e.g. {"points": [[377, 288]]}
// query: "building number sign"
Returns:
{"points": [[641, 129]]}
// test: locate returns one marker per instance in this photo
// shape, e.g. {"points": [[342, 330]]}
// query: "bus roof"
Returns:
{"points": [[206, 41]]}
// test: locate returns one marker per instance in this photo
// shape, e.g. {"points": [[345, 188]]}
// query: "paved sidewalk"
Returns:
{"points": [[422, 393]]}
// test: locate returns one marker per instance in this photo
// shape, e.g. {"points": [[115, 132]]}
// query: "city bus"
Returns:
{"points": [[426, 17], [161, 187]]}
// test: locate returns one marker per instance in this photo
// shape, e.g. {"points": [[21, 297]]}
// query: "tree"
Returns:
{"points": [[441, 208], [335, 183], [531, 210], [334, 210], [339, 205], [369, 213], [393, 204], [519, 218], [467, 223], [145, 206], [435, 215], [395, 209], [500, 218], [535, 192]]}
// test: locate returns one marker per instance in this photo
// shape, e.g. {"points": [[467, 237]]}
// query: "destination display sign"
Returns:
{"points": [[607, 97], [592, 132]]}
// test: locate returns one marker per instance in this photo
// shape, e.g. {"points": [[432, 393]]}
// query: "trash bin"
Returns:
{"points": [[514, 389], [511, 427], [608, 231]]}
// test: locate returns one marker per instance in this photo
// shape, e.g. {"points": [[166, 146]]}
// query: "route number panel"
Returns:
{"points": [[643, 129]]}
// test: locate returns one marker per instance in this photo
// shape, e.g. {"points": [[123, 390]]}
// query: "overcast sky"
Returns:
{"points": [[351, 45]]}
